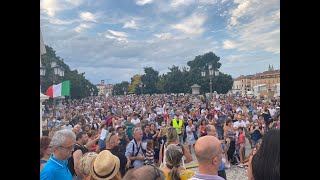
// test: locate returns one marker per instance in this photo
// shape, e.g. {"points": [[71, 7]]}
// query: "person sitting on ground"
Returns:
{"points": [[172, 168]]}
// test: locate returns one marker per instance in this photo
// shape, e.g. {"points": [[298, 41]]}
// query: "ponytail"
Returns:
{"points": [[174, 175]]}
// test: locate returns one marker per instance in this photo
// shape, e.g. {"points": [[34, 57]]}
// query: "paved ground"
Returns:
{"points": [[234, 173]]}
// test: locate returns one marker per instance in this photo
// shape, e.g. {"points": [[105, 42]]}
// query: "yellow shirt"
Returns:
{"points": [[184, 174]]}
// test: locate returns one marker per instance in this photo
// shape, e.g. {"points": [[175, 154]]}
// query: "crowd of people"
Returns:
{"points": [[154, 137]]}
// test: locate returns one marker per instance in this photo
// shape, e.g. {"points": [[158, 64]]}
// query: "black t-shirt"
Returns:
{"points": [[70, 160], [123, 160], [146, 136], [159, 119]]}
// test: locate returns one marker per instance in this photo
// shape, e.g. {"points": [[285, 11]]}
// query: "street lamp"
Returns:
{"points": [[141, 85], [58, 71], [212, 73], [91, 90], [124, 90]]}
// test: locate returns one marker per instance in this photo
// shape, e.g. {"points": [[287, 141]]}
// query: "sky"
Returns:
{"points": [[113, 40]]}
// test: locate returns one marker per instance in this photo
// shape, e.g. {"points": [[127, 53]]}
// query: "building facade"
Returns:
{"points": [[243, 84], [104, 89], [270, 78]]}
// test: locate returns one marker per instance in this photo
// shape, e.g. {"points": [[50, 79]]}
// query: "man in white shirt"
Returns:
{"points": [[136, 121], [272, 111]]}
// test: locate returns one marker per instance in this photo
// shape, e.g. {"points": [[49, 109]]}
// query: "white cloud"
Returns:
{"points": [[51, 7], [118, 37], [75, 2], [239, 11], [88, 16], [176, 3], [227, 44], [82, 27], [118, 33], [143, 2], [163, 36], [59, 22], [208, 2], [255, 26], [191, 25], [130, 24], [261, 33]]}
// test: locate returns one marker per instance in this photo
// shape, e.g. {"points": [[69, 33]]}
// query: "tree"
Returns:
{"points": [[150, 79], [118, 89], [135, 81], [175, 80], [221, 84], [162, 85], [79, 85]]}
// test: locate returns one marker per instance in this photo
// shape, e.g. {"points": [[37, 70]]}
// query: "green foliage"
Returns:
{"points": [[180, 80], [150, 80], [120, 88], [135, 81], [79, 85]]}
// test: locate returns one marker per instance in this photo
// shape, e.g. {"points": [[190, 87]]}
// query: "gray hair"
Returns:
{"points": [[60, 136], [174, 155]]}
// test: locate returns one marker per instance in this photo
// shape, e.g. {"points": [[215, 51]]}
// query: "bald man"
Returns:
{"points": [[211, 131], [209, 154]]}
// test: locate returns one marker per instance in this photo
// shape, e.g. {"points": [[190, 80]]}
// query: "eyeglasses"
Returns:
{"points": [[156, 172]]}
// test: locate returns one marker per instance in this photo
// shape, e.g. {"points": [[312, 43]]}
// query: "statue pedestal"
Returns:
{"points": [[195, 89]]}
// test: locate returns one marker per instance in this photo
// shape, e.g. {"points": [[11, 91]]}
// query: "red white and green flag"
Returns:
{"points": [[61, 89]]}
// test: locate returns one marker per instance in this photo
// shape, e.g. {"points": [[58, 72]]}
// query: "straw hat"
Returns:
{"points": [[105, 166]]}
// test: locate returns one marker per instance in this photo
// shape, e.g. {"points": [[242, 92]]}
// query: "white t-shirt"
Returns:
{"points": [[239, 109], [134, 122], [238, 124], [272, 112]]}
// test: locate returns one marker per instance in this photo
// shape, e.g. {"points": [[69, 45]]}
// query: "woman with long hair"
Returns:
{"points": [[45, 150], [265, 164], [172, 169], [173, 138]]}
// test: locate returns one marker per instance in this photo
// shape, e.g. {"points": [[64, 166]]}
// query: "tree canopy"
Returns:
{"points": [[180, 79], [79, 85]]}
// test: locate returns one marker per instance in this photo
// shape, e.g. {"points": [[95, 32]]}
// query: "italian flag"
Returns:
{"points": [[62, 89]]}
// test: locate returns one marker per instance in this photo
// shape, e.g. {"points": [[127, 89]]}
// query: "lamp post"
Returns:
{"points": [[141, 85], [91, 91], [58, 71], [124, 91], [212, 73]]}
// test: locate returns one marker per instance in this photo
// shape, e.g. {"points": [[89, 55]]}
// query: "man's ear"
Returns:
{"points": [[215, 160]]}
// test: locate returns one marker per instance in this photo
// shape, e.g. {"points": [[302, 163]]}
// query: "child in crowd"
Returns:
{"points": [[149, 153]]}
